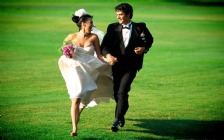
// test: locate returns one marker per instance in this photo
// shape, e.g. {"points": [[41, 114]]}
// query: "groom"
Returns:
{"points": [[124, 46]]}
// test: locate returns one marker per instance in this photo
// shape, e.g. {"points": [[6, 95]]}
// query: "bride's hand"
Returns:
{"points": [[111, 60]]}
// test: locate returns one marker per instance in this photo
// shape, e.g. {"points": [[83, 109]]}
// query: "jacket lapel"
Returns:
{"points": [[118, 30], [133, 36]]}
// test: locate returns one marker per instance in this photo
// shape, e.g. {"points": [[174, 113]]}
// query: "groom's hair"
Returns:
{"points": [[126, 8]]}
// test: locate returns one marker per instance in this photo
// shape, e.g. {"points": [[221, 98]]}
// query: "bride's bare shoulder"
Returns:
{"points": [[94, 36], [71, 36]]}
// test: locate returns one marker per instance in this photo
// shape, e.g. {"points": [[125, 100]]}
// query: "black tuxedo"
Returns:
{"points": [[124, 71], [113, 44]]}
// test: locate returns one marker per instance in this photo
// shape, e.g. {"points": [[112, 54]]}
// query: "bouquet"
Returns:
{"points": [[68, 50]]}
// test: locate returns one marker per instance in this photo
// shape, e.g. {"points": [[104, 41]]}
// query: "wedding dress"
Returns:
{"points": [[87, 77]]}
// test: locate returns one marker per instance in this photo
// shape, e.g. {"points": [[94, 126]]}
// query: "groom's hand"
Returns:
{"points": [[139, 50]]}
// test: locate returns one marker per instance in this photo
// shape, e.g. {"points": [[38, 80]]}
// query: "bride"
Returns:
{"points": [[88, 78]]}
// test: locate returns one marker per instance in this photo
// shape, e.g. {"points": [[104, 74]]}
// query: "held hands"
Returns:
{"points": [[111, 60], [139, 50]]}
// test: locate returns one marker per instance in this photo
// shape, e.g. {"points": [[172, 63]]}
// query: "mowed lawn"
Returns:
{"points": [[179, 93]]}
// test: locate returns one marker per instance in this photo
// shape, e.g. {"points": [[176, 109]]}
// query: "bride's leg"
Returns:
{"points": [[81, 109], [75, 115]]}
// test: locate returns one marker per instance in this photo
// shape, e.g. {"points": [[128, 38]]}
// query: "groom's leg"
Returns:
{"points": [[116, 87], [116, 80], [124, 88]]}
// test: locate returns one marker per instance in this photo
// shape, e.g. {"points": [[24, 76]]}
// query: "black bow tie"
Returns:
{"points": [[126, 27]]}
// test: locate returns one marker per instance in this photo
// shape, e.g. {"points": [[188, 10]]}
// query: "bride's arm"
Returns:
{"points": [[68, 39], [96, 44]]}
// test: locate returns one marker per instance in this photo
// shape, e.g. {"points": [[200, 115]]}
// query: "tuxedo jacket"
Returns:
{"points": [[113, 43]]}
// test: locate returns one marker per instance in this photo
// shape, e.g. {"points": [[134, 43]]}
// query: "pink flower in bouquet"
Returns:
{"points": [[68, 50]]}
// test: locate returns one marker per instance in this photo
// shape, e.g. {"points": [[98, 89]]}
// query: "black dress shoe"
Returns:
{"points": [[114, 127], [121, 122]]}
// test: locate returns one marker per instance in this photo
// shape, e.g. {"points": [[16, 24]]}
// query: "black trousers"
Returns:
{"points": [[123, 77]]}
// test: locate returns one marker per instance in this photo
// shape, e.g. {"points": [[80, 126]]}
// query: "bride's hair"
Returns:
{"points": [[78, 20]]}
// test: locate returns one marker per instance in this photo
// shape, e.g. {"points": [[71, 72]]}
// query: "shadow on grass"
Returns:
{"points": [[90, 138], [200, 2], [181, 129]]}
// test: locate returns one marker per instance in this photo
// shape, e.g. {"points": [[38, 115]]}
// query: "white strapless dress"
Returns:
{"points": [[87, 77]]}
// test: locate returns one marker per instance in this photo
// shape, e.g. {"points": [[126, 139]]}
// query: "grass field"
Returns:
{"points": [[179, 93]]}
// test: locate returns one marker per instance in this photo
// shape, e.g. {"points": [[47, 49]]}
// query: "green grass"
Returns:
{"points": [[179, 93]]}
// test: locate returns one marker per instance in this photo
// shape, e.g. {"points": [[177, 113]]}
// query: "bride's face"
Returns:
{"points": [[122, 17], [88, 25]]}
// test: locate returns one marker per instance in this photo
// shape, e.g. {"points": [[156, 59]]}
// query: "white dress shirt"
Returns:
{"points": [[126, 33]]}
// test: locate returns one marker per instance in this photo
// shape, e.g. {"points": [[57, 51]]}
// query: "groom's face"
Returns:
{"points": [[122, 17]]}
